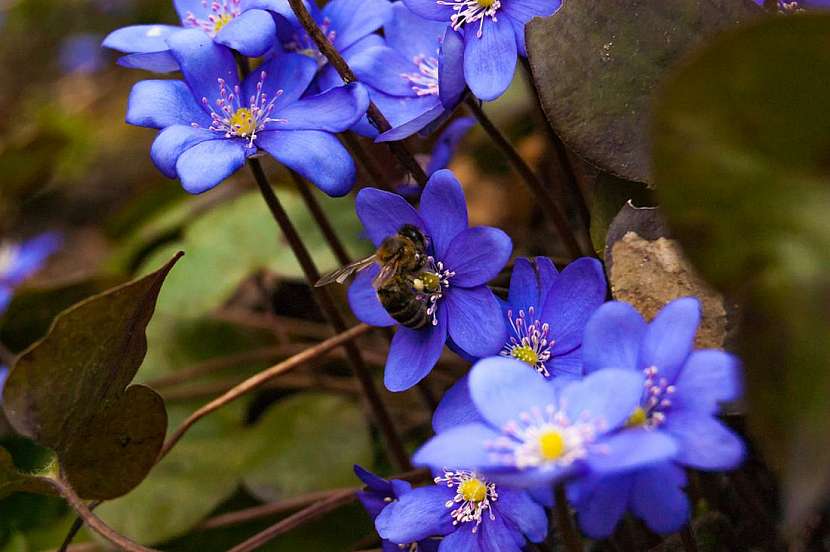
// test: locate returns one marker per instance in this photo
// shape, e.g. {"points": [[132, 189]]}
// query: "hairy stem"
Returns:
{"points": [[564, 521], [375, 116]]}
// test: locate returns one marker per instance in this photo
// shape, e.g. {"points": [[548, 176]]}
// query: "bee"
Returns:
{"points": [[402, 281]]}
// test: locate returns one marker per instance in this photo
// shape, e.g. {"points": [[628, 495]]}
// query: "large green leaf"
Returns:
{"points": [[742, 145], [71, 391], [596, 64]]}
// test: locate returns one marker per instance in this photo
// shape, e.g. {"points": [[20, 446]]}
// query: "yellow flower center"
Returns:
{"points": [[551, 445], [221, 21], [638, 418], [473, 490], [526, 354], [485, 3], [242, 122]]}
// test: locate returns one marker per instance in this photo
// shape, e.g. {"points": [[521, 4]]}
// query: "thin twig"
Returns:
{"points": [[313, 206], [260, 379], [267, 510], [329, 309], [549, 206], [564, 521], [215, 364], [375, 116]]}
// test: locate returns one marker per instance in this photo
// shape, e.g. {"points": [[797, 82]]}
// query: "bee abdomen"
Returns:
{"points": [[404, 306]]}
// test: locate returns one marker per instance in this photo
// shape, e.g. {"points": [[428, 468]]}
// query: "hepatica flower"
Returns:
{"points": [[212, 123], [244, 25], [403, 75], [461, 262], [531, 433], [681, 394], [546, 313], [785, 6], [19, 261], [493, 35], [471, 512]]}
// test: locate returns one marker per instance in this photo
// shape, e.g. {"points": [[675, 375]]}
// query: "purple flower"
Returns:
{"points": [[682, 392], [403, 76], [212, 123], [81, 53], [471, 512], [793, 6], [19, 261], [546, 313], [493, 34], [461, 259], [531, 432], [378, 495], [243, 25]]}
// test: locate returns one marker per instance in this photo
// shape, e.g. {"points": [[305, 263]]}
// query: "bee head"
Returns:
{"points": [[414, 234]]}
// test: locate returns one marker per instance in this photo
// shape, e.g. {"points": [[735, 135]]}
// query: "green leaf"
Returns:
{"points": [[12, 480], [741, 157], [70, 391], [596, 64]]}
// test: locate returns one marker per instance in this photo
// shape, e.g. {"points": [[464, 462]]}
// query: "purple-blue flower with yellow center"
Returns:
{"points": [[493, 34], [212, 123], [462, 259], [682, 391], [18, 261]]}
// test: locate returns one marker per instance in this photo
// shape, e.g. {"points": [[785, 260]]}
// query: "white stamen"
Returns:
{"points": [[470, 11], [468, 510], [425, 81], [531, 334], [222, 11]]}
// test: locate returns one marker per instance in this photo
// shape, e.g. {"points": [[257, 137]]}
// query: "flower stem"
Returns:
{"points": [[688, 538], [326, 303], [376, 117], [549, 205], [322, 220], [570, 537]]}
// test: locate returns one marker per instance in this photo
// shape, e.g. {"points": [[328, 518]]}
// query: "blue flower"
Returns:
{"points": [[403, 76], [493, 34], [533, 433], [244, 25], [792, 6], [683, 390], [378, 495], [469, 511], [212, 123], [4, 374], [81, 53], [546, 313], [462, 260], [19, 261]]}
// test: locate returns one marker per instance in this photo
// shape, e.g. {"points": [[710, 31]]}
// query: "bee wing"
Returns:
{"points": [[341, 274], [387, 272]]}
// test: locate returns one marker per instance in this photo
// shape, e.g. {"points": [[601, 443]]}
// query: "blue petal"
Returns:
{"points": [[157, 62], [660, 500], [406, 114], [456, 408], [451, 81], [612, 338], [383, 213], [475, 320], [444, 210], [503, 388], [461, 540], [353, 19], [704, 443], [5, 298], [373, 482], [490, 59], [447, 143], [601, 504], [526, 514], [463, 446], [332, 111], [430, 9], [140, 38], [669, 339], [524, 286], [411, 34], [413, 354], [494, 535], [4, 371], [525, 10], [203, 62], [328, 76], [364, 302], [383, 68], [318, 156], [574, 296], [519, 32], [279, 7], [547, 274], [172, 142], [408, 128], [30, 257], [567, 365], [629, 450], [290, 73], [543, 495], [709, 378], [477, 255], [207, 164], [609, 395], [164, 103], [252, 33], [199, 8], [417, 515]]}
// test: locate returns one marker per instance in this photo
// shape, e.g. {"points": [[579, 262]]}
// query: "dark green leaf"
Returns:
{"points": [[741, 158], [70, 391], [12, 480], [596, 64]]}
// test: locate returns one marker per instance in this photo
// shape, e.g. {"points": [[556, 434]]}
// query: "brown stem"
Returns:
{"points": [[322, 220], [267, 510], [327, 305], [771, 5], [564, 521], [688, 539], [260, 379], [365, 159], [549, 205], [375, 116], [215, 364]]}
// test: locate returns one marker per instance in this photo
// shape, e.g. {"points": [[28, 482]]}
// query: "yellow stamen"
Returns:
{"points": [[431, 282], [525, 354], [485, 3], [551, 445], [473, 490], [223, 20], [243, 122], [638, 418]]}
